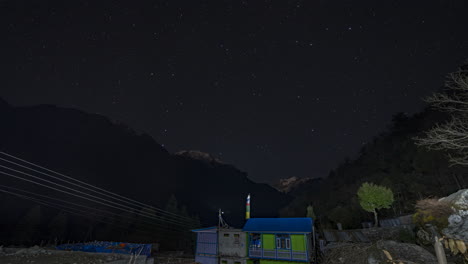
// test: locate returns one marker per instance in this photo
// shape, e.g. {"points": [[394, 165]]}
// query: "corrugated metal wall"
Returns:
{"points": [[207, 243]]}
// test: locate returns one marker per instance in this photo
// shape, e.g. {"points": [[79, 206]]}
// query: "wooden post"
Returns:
{"points": [[439, 250]]}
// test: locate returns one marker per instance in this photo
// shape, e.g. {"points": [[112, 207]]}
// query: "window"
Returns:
{"points": [[226, 235], [223, 261], [255, 241], [237, 262], [283, 241], [236, 239]]}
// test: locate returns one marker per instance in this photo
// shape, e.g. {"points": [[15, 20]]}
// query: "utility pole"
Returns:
{"points": [[221, 222]]}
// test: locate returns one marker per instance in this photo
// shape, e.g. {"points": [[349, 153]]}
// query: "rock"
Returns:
{"points": [[457, 222], [459, 199], [21, 251], [364, 253], [406, 252]]}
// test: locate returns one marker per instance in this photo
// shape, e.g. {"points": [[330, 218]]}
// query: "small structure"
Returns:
{"points": [[217, 245], [206, 251], [262, 240], [280, 240], [232, 247]]}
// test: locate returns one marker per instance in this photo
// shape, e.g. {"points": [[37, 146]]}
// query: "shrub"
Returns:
{"points": [[432, 211]]}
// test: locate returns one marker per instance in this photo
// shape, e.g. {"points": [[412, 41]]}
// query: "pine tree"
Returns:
{"points": [[28, 227], [58, 226]]}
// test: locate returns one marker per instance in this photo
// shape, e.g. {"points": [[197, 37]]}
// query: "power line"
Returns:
{"points": [[68, 210], [158, 225], [82, 213], [168, 220], [124, 199], [53, 188]]}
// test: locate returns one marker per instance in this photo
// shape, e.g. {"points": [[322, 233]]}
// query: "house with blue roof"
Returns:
{"points": [[260, 241], [279, 240]]}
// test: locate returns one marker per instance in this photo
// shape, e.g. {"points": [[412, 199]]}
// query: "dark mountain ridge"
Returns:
{"points": [[110, 155]]}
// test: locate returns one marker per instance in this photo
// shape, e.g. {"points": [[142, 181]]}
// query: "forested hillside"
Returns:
{"points": [[391, 159]]}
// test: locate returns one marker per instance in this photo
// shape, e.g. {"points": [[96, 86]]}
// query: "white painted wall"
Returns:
{"points": [[233, 261], [232, 242]]}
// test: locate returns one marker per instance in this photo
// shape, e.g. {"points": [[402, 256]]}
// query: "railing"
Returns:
{"points": [[278, 254], [283, 254], [255, 253], [299, 255], [269, 253]]}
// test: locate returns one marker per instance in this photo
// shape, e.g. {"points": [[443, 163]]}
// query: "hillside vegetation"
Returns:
{"points": [[391, 159]]}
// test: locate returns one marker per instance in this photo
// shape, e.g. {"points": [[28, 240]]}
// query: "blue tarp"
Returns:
{"points": [[276, 225], [109, 247]]}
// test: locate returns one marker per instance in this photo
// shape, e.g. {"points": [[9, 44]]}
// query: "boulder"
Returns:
{"points": [[406, 252], [459, 200], [365, 253], [457, 222]]}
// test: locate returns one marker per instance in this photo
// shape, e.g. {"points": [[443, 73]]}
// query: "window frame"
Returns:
{"points": [[236, 239], [283, 239]]}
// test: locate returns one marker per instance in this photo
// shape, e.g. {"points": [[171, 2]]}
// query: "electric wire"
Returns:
{"points": [[82, 213], [155, 225], [124, 199], [73, 194], [68, 210], [168, 220]]}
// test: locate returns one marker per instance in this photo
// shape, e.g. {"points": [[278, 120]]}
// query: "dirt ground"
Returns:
{"points": [[39, 255]]}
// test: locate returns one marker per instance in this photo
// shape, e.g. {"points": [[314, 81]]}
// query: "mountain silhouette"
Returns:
{"points": [[110, 155]]}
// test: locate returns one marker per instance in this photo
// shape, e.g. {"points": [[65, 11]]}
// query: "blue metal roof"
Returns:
{"points": [[276, 225], [206, 229]]}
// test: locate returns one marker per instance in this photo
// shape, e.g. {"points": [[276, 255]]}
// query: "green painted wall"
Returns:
{"points": [[268, 241], [267, 261], [298, 242]]}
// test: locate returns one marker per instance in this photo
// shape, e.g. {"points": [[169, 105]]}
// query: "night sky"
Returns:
{"points": [[277, 88]]}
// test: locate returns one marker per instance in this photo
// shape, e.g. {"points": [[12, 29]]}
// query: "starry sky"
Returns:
{"points": [[278, 88]]}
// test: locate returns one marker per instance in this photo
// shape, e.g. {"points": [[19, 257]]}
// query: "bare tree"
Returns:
{"points": [[451, 136]]}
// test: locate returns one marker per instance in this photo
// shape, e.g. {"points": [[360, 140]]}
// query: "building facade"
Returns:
{"points": [[221, 246], [206, 250], [232, 247], [279, 240], [261, 241]]}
